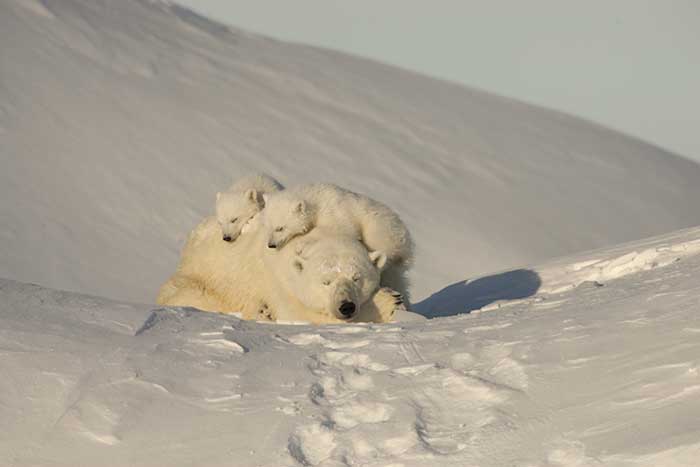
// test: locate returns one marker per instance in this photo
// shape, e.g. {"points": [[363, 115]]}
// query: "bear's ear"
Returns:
{"points": [[300, 207], [264, 199], [378, 259], [218, 195], [297, 265]]}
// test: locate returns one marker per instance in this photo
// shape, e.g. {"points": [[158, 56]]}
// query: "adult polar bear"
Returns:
{"points": [[295, 212], [313, 281]]}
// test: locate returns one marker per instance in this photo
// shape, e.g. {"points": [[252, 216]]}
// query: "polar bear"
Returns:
{"points": [[236, 206], [325, 271], [217, 276], [297, 211]]}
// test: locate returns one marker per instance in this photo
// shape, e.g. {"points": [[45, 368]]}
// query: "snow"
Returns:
{"points": [[602, 368], [556, 276], [119, 121]]}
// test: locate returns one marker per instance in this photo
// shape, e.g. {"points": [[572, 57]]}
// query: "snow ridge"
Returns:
{"points": [[555, 380]]}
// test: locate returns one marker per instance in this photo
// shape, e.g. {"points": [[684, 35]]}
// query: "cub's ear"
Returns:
{"points": [[264, 199], [378, 259], [297, 265], [253, 196], [300, 207]]}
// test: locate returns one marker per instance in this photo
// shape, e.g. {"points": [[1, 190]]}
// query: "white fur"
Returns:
{"points": [[236, 206], [248, 278], [323, 270], [297, 211]]}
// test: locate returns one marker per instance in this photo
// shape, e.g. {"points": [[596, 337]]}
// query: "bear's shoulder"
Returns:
{"points": [[206, 229]]}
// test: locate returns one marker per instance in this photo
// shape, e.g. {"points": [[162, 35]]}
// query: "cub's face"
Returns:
{"points": [[285, 218], [336, 275], [234, 210]]}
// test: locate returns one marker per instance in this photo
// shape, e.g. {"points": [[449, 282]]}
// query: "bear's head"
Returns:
{"points": [[286, 216], [333, 274], [235, 209]]}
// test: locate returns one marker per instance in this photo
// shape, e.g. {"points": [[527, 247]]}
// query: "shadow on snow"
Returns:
{"points": [[464, 297]]}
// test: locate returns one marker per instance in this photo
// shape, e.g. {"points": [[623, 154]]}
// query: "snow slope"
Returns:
{"points": [[120, 120], [597, 366], [118, 123]]}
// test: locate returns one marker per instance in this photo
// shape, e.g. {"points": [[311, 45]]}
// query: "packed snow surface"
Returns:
{"points": [[598, 365], [119, 121]]}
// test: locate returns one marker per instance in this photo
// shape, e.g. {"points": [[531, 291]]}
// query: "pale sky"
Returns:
{"points": [[633, 65]]}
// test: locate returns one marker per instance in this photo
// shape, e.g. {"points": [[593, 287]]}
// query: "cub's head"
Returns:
{"points": [[234, 210], [336, 275], [285, 217]]}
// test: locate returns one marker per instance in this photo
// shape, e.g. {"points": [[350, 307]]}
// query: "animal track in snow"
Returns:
{"points": [[421, 408], [311, 444], [569, 454], [357, 360], [454, 412], [354, 413], [462, 361], [317, 339], [306, 339]]}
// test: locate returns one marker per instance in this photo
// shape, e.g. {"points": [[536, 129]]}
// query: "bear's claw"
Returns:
{"points": [[398, 298]]}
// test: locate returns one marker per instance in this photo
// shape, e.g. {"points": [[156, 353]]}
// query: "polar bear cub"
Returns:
{"points": [[297, 211], [236, 206]]}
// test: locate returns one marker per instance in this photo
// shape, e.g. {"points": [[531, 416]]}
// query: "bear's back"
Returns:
{"points": [[335, 208], [231, 271], [259, 182]]}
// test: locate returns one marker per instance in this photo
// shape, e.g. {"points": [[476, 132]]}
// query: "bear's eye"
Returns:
{"points": [[279, 229], [234, 220], [356, 278], [326, 282]]}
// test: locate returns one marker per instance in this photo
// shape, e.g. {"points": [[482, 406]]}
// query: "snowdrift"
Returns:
{"points": [[600, 368]]}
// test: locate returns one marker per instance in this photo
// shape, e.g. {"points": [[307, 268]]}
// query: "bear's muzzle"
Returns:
{"points": [[347, 309]]}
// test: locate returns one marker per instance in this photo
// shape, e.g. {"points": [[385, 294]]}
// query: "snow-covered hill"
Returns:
{"points": [[598, 365], [119, 120], [118, 123]]}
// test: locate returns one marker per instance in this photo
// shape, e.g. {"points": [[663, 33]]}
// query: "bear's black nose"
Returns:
{"points": [[228, 238], [347, 309], [271, 245]]}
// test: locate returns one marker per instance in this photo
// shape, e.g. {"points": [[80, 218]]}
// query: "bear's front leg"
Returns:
{"points": [[382, 307], [259, 311]]}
